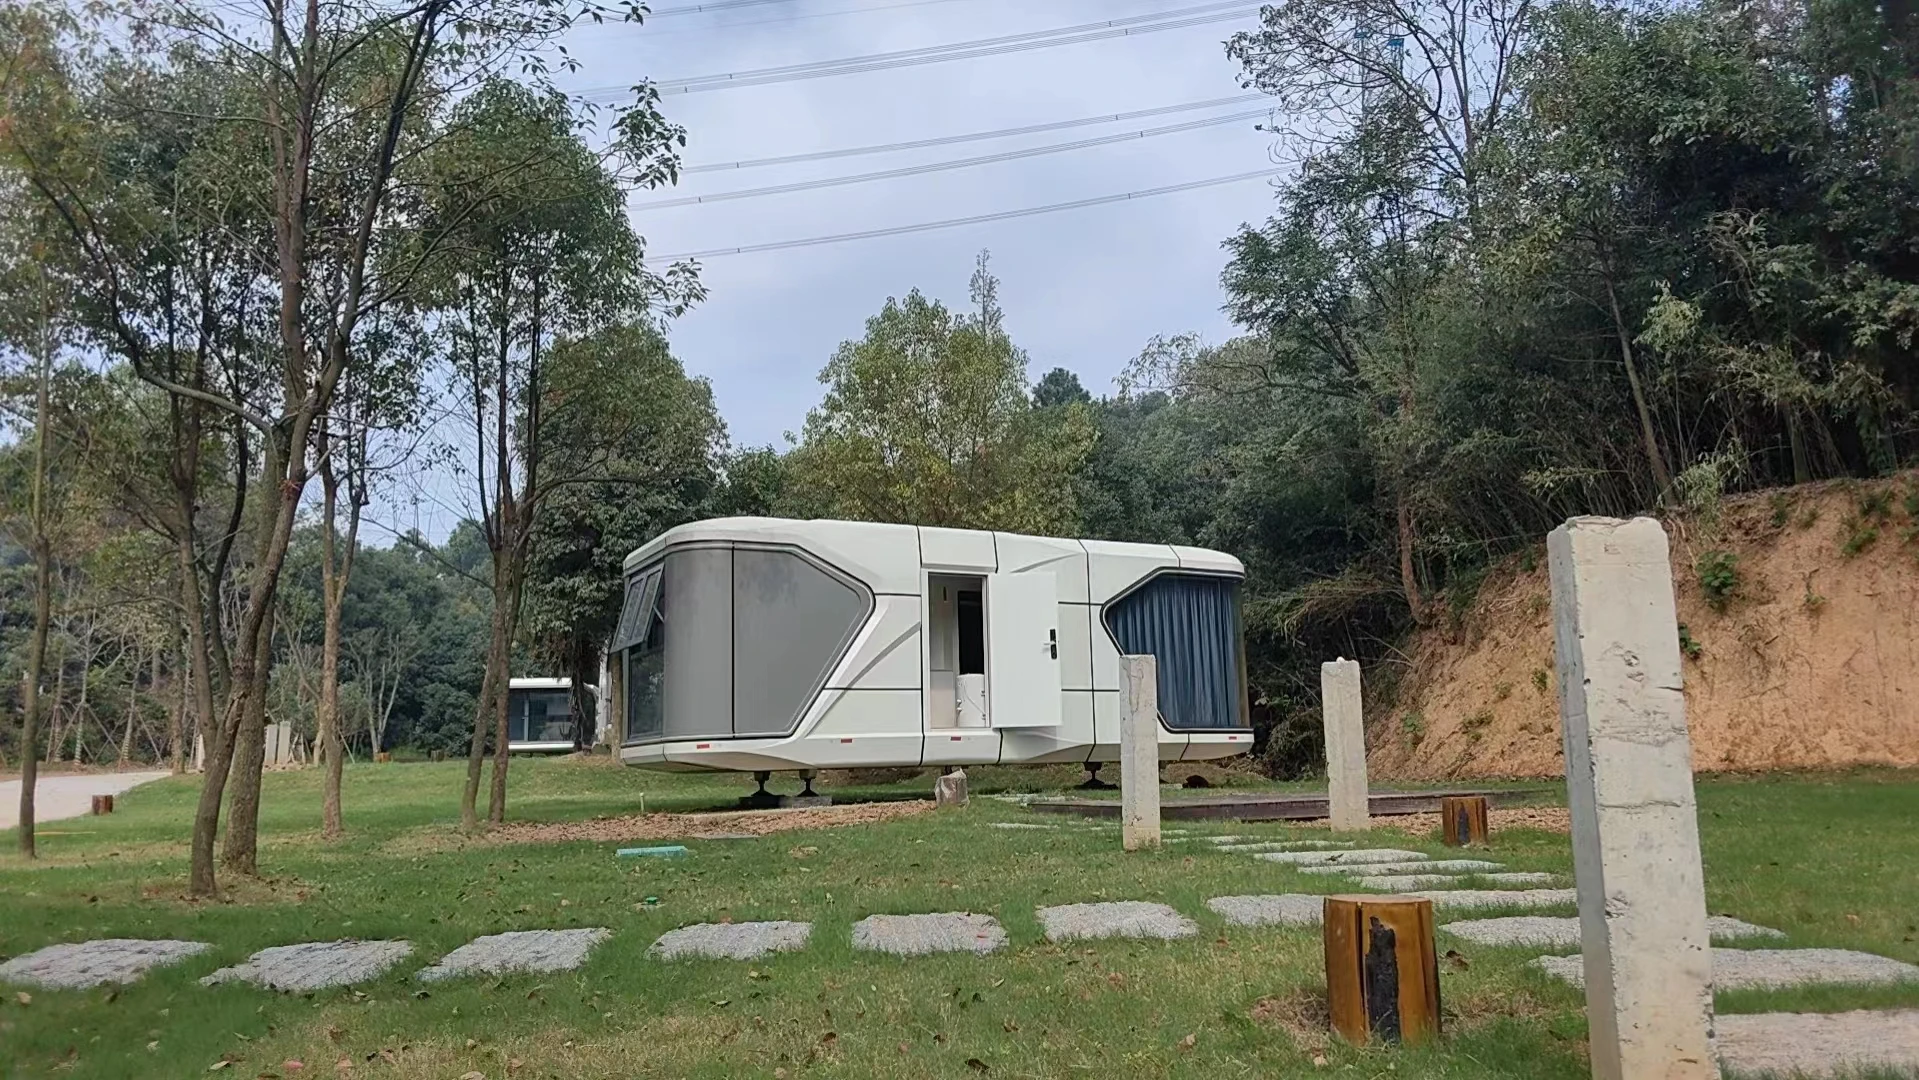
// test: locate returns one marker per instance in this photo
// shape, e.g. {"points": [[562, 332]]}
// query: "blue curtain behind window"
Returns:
{"points": [[1191, 624]]}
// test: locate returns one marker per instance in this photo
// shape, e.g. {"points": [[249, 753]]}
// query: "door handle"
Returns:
{"points": [[1052, 643]]}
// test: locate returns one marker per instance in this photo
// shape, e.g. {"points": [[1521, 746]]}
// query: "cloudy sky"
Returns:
{"points": [[1083, 289]]}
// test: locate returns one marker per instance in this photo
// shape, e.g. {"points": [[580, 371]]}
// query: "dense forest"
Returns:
{"points": [[1525, 260]]}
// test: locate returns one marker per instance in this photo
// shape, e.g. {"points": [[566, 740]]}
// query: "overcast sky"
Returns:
{"points": [[1082, 289]]}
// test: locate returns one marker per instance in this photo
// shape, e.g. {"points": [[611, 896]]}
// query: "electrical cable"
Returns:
{"points": [[963, 50], [977, 219], [943, 166], [976, 136]]}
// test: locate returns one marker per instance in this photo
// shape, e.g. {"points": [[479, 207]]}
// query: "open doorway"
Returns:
{"points": [[956, 651]]}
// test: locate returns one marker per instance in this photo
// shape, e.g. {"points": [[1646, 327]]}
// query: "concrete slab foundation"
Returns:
{"points": [[1820, 1045], [315, 965], [731, 941], [1123, 918], [1772, 969], [87, 964], [920, 935], [1553, 932], [1277, 909], [518, 951]]}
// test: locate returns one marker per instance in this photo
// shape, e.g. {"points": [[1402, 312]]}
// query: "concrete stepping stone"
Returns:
{"points": [[315, 965], [1227, 839], [88, 964], [1276, 909], [1429, 866], [1770, 969], [1330, 858], [1019, 825], [536, 952], [1470, 899], [1819, 1045], [1424, 882], [1551, 931], [1288, 845], [732, 941], [920, 935], [1121, 918]]}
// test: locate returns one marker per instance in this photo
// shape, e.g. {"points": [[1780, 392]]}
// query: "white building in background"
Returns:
{"points": [[763, 644], [539, 716]]}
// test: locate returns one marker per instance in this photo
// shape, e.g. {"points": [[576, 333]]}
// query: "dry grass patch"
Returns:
{"points": [[611, 830]]}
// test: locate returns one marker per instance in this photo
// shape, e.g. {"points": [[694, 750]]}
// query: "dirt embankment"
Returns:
{"points": [[1810, 661]]}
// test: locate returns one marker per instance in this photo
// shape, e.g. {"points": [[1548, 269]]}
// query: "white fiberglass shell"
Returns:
{"points": [[752, 644]]}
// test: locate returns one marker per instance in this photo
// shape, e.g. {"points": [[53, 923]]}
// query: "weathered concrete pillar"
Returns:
{"points": [[1345, 746], [1139, 755], [1642, 897], [950, 789]]}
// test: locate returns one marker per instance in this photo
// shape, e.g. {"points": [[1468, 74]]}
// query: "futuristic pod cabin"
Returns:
{"points": [[761, 644]]}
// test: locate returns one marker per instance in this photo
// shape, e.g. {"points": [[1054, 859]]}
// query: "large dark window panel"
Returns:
{"points": [[1191, 624], [646, 664], [696, 596], [539, 716], [792, 621]]}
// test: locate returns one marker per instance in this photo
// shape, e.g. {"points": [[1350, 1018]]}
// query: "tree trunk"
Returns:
{"points": [[1408, 571], [177, 721], [239, 851], [332, 595], [42, 588], [133, 708], [1655, 460], [496, 797], [80, 707], [54, 732], [482, 720]]}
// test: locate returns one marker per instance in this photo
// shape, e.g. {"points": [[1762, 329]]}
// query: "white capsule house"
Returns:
{"points": [[539, 716], [763, 644]]}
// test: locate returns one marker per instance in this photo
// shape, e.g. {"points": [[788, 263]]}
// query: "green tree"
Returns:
{"points": [[927, 420]]}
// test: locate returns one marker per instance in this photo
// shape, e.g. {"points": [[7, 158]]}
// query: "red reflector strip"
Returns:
{"points": [[703, 746], [956, 738], [846, 740]]}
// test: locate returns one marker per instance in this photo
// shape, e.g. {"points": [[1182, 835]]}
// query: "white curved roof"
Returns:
{"points": [[891, 558]]}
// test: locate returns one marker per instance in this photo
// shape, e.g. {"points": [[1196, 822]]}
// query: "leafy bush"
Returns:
{"points": [[1687, 645], [1718, 577]]}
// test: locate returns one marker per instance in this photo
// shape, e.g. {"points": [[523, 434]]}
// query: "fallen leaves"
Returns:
{"points": [[1191, 1040], [977, 1065]]}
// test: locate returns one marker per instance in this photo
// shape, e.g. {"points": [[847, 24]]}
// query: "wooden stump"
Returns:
{"points": [[1464, 819], [1382, 975], [383, 757], [103, 804]]}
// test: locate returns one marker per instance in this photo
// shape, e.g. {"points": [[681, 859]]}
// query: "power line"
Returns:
{"points": [[978, 219], [943, 166], [647, 27], [963, 50], [717, 5], [976, 136]]}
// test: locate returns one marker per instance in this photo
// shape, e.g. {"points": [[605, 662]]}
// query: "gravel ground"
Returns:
{"points": [[315, 965], [1123, 918], [1819, 1044], [1419, 882], [1551, 931], [1770, 969], [920, 935], [732, 941], [1283, 909], [95, 963], [1429, 866], [1330, 858], [532, 951], [1502, 898]]}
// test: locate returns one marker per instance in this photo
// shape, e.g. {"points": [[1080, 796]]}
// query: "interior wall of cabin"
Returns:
{"points": [[955, 641]]}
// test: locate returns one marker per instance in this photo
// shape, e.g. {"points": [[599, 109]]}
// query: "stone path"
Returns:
{"points": [[1329, 858], [1549, 931], [1424, 882], [1020, 825], [1281, 909], [95, 963], [1819, 1044], [315, 965], [535, 952], [1770, 969], [1430, 866], [920, 935], [1287, 845], [1501, 898], [1122, 918], [56, 798], [732, 941]]}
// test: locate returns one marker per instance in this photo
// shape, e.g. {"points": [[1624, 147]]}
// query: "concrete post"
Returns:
{"points": [[1642, 897], [1346, 793], [1139, 755]]}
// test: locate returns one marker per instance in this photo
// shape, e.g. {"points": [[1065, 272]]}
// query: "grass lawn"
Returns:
{"points": [[1832, 860]]}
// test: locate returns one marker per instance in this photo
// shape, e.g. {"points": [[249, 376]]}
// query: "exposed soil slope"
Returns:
{"points": [[1814, 661]]}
